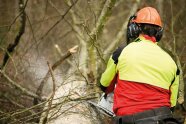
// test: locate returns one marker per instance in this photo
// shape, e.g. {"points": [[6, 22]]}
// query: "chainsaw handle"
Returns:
{"points": [[105, 95]]}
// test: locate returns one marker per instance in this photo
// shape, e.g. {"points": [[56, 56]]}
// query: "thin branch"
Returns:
{"points": [[77, 30], [16, 113], [96, 32], [17, 104], [160, 6], [172, 28], [60, 54], [14, 20], [184, 67], [120, 34], [86, 80], [7, 116], [14, 65], [22, 89], [106, 12], [57, 22], [81, 38], [36, 115], [68, 54], [90, 8], [32, 30], [11, 47], [52, 95]]}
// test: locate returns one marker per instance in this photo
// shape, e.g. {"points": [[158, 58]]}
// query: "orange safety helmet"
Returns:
{"points": [[148, 15]]}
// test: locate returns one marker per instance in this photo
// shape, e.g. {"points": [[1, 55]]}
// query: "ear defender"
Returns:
{"points": [[159, 35], [133, 29]]}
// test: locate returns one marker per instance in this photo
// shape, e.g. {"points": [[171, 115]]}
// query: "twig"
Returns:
{"points": [[64, 112], [16, 113], [52, 95], [31, 28], [66, 99], [90, 8], [76, 29], [17, 104], [96, 32], [15, 84], [62, 17], [81, 72], [120, 34], [14, 65]]}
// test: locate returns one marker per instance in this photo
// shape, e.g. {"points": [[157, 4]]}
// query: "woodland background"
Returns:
{"points": [[43, 81]]}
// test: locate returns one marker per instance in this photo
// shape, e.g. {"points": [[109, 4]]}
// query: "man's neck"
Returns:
{"points": [[147, 37]]}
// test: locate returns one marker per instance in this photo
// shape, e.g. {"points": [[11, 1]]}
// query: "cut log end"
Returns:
{"points": [[73, 49]]}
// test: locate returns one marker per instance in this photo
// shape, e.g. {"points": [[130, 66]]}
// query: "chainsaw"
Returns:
{"points": [[105, 104]]}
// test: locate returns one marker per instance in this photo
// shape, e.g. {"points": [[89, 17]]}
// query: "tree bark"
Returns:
{"points": [[11, 47], [93, 36]]}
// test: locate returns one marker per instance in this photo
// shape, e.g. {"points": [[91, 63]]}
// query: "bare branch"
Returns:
{"points": [[75, 28], [32, 30], [160, 6], [184, 67], [15, 84], [68, 54], [81, 38], [120, 34], [52, 95], [96, 32], [57, 22], [60, 54], [14, 20], [106, 12], [17, 104], [11, 47]]}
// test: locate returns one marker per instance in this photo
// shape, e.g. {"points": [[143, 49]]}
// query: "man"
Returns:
{"points": [[146, 77]]}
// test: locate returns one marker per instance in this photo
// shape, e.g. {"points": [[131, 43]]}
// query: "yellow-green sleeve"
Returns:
{"points": [[174, 91], [109, 73]]}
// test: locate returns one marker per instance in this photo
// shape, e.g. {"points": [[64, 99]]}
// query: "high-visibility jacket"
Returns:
{"points": [[146, 63]]}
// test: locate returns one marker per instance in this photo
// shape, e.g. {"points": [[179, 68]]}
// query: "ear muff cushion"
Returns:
{"points": [[159, 34], [133, 30]]}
